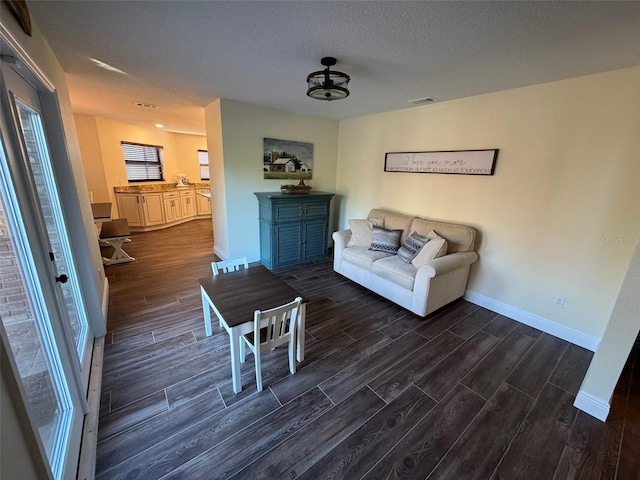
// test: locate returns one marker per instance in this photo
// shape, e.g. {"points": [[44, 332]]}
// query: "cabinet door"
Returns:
{"points": [[153, 209], [203, 205], [130, 207], [316, 210], [188, 206], [288, 242], [170, 211], [287, 212], [315, 239]]}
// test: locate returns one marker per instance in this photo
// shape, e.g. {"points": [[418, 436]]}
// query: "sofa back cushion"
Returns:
{"points": [[394, 221], [460, 238]]}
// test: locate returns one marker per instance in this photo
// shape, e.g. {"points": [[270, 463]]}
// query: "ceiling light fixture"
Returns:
{"points": [[326, 84], [159, 125], [106, 66]]}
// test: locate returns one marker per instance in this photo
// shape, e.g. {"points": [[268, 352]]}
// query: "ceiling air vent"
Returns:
{"points": [[423, 101], [147, 105]]}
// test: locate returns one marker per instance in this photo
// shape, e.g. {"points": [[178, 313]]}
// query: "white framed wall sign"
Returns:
{"points": [[460, 162]]}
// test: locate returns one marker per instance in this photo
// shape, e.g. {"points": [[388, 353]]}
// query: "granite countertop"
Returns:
{"points": [[157, 187]]}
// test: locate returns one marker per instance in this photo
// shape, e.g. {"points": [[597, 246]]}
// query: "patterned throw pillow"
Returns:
{"points": [[411, 247], [384, 240], [435, 248]]}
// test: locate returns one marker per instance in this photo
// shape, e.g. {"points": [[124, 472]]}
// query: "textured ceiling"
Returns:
{"points": [[182, 55]]}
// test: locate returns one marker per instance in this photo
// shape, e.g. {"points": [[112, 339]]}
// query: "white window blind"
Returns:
{"points": [[203, 158], [143, 162]]}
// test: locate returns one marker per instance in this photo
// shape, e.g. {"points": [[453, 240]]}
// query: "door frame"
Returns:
{"points": [[75, 204], [77, 212]]}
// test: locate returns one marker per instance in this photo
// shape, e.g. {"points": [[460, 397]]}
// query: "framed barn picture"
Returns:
{"points": [[286, 159]]}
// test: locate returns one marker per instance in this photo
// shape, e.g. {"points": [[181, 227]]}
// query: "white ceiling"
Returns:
{"points": [[184, 54]]}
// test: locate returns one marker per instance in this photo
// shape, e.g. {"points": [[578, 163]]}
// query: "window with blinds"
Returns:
{"points": [[143, 162], [203, 158]]}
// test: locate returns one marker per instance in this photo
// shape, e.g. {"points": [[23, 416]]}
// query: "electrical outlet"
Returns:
{"points": [[559, 301]]}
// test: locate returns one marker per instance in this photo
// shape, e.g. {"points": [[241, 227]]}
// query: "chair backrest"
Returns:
{"points": [[275, 326], [230, 265]]}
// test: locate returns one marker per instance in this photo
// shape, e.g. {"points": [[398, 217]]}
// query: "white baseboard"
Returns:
{"points": [[105, 301], [219, 253], [552, 328], [594, 406]]}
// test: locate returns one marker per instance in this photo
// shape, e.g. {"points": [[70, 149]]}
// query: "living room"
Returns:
{"points": [[558, 219]]}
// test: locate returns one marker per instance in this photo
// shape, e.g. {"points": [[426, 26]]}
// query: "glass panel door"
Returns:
{"points": [[43, 323], [27, 328], [36, 147], [33, 142]]}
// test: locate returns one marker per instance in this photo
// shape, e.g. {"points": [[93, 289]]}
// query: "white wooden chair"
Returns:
{"points": [[231, 265], [226, 266], [272, 328]]}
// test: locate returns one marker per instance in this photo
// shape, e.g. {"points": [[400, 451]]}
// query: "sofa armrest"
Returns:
{"points": [[341, 239], [447, 263], [340, 242]]}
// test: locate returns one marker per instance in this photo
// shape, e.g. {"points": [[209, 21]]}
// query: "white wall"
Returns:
{"points": [[560, 216], [243, 128], [213, 127], [16, 457], [612, 354], [89, 142]]}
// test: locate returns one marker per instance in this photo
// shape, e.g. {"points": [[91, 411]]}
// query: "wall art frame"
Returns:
{"points": [[456, 162], [287, 159]]}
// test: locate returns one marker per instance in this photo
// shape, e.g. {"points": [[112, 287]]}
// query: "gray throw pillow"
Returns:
{"points": [[384, 240], [411, 247]]}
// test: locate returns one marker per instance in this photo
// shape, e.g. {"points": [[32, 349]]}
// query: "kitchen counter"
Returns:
{"points": [[157, 187]]}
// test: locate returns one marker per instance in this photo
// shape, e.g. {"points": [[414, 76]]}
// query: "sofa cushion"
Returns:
{"points": [[395, 270], [362, 230], [436, 247], [411, 247], [385, 240], [362, 256], [460, 238], [394, 221]]}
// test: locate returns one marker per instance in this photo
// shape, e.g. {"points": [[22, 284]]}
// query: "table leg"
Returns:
{"points": [[206, 310], [300, 332], [236, 371], [119, 255]]}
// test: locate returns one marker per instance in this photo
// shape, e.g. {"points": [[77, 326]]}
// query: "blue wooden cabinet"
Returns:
{"points": [[294, 228]]}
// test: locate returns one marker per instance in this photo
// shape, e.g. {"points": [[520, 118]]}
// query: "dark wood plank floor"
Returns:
{"points": [[382, 394]]}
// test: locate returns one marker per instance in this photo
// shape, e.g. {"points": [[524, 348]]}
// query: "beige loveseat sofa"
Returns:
{"points": [[421, 290]]}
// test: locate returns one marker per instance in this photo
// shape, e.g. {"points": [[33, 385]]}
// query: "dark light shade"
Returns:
{"points": [[326, 84]]}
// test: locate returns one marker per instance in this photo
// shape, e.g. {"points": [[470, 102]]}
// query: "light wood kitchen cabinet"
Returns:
{"points": [[152, 209], [188, 203], [158, 206], [172, 210], [141, 209], [203, 203], [129, 207]]}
